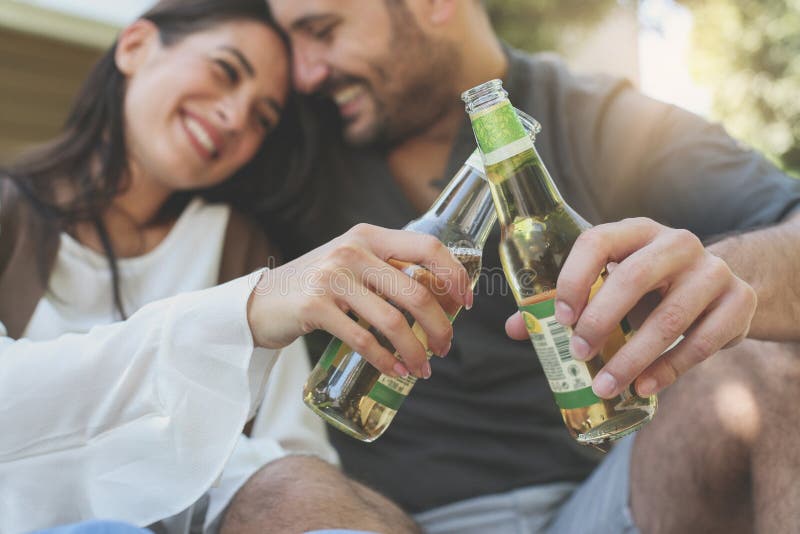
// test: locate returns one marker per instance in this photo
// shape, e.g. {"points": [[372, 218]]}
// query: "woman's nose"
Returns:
{"points": [[232, 112]]}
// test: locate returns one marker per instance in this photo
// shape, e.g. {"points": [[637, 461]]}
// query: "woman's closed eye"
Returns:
{"points": [[228, 70], [265, 122], [268, 112]]}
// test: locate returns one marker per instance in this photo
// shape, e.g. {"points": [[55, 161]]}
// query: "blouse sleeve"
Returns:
{"points": [[282, 426], [133, 420]]}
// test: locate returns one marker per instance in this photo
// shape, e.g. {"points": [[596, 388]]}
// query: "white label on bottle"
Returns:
{"points": [[552, 346], [551, 341], [508, 151]]}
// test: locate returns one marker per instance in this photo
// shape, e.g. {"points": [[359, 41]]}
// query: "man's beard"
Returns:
{"points": [[411, 85], [414, 97], [336, 82]]}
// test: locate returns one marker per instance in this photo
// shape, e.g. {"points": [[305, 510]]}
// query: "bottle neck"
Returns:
{"points": [[464, 210], [522, 188], [520, 183]]}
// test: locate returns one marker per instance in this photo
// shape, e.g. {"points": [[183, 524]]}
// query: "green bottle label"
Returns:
{"points": [[330, 354], [568, 378], [391, 392], [500, 133]]}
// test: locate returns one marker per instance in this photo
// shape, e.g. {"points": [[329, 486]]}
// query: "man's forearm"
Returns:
{"points": [[769, 260]]}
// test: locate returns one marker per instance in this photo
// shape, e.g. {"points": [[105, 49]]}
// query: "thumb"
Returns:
{"points": [[515, 327]]}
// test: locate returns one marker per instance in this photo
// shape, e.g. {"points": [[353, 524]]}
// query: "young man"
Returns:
{"points": [[480, 446]]}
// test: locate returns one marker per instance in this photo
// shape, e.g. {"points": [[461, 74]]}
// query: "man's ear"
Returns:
{"points": [[435, 12], [443, 11], [134, 44]]}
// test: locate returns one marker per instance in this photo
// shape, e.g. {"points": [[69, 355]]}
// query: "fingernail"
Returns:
{"points": [[604, 385], [564, 313], [470, 300], [580, 348], [426, 371], [401, 370], [647, 387], [446, 351]]}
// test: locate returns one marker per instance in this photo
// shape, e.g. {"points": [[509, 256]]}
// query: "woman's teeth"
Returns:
{"points": [[201, 135]]}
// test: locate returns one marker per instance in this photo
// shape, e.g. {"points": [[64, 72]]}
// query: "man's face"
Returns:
{"points": [[388, 77]]}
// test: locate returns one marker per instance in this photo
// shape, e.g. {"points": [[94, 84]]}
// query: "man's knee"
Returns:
{"points": [[698, 453], [290, 473], [299, 493], [737, 390], [280, 483]]}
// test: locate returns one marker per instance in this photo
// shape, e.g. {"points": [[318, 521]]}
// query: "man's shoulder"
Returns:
{"points": [[550, 62], [548, 75], [550, 65]]}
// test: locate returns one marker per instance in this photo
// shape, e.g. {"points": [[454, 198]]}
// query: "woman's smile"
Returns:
{"points": [[206, 139]]}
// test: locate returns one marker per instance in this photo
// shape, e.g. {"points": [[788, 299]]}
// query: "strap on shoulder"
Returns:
{"points": [[246, 248]]}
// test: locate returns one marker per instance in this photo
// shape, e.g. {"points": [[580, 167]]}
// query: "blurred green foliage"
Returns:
{"points": [[748, 52], [539, 24]]}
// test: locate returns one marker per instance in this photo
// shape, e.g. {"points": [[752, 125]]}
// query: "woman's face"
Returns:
{"points": [[198, 109]]}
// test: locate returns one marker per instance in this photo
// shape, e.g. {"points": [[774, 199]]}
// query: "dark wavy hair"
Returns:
{"points": [[89, 156]]}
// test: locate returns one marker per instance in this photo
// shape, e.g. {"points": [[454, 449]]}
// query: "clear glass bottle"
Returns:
{"points": [[538, 230], [345, 389]]}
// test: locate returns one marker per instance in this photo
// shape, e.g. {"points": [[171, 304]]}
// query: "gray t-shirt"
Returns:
{"points": [[486, 421]]}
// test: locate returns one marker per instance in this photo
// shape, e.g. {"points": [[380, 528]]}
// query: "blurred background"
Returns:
{"points": [[733, 61]]}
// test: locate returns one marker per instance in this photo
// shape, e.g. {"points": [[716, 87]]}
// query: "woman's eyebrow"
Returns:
{"points": [[242, 59], [248, 67]]}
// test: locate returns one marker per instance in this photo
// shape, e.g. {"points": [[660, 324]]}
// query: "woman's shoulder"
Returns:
{"points": [[8, 193], [12, 216], [15, 205], [28, 246]]}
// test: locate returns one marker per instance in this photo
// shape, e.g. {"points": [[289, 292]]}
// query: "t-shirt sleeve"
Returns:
{"points": [[640, 157], [133, 420]]}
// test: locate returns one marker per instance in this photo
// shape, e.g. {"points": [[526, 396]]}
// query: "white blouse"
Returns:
{"points": [[136, 420]]}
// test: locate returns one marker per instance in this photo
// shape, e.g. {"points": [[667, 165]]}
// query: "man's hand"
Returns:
{"points": [[701, 299], [352, 273]]}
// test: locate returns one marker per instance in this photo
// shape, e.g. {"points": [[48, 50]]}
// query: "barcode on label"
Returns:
{"points": [[548, 357], [560, 338]]}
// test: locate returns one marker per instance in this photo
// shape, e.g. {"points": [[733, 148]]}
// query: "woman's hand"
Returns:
{"points": [[351, 273]]}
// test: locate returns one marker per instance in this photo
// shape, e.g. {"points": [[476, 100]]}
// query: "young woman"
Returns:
{"points": [[135, 419]]}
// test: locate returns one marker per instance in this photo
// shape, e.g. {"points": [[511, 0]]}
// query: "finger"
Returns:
{"points": [[725, 325], [433, 309], [360, 269], [362, 341], [351, 267], [650, 267], [423, 250], [673, 316], [515, 327], [592, 251], [394, 326]]}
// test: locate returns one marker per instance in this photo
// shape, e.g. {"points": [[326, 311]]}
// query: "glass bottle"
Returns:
{"points": [[345, 389], [538, 230]]}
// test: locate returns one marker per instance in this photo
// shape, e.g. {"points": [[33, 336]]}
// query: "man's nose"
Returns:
{"points": [[308, 71]]}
